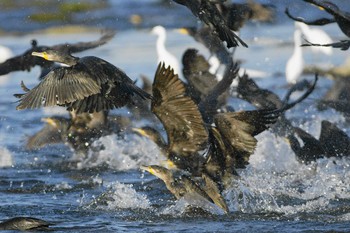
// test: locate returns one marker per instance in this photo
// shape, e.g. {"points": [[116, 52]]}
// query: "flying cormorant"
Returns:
{"points": [[207, 12], [26, 61], [87, 84]]}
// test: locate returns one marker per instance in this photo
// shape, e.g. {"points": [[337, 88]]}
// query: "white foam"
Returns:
{"points": [[274, 174], [124, 196], [182, 205], [123, 154]]}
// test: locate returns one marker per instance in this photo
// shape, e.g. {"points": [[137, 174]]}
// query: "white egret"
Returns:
{"points": [[316, 36], [163, 54], [5, 53], [295, 64]]}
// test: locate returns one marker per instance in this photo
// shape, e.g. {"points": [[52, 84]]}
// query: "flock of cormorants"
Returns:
{"points": [[206, 140]]}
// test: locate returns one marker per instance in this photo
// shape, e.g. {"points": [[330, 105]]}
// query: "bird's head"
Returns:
{"points": [[148, 132], [48, 54], [158, 171], [158, 30], [60, 56]]}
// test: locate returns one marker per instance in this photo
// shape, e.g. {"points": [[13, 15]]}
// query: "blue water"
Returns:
{"points": [[107, 192]]}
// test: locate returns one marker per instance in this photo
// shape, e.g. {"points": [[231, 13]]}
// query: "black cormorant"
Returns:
{"points": [[24, 224], [211, 41], [203, 87], [333, 142], [26, 61], [181, 185], [87, 84], [196, 72], [207, 12], [190, 143], [79, 131], [181, 119]]}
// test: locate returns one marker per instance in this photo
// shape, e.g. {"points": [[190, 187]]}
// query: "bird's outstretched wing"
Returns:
{"points": [[343, 44], [59, 87], [178, 113], [82, 46], [239, 128]]}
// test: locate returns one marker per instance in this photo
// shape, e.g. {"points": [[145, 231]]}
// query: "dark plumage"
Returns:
{"points": [[207, 12], [248, 90], [216, 99], [181, 119], [332, 142], [236, 14], [337, 97], [141, 108], [52, 133], [79, 131], [24, 224], [265, 99], [196, 72], [189, 137], [238, 130], [88, 84], [203, 87], [211, 41], [182, 185], [26, 61]]}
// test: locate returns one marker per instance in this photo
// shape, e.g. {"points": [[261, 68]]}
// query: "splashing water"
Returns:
{"points": [[275, 181], [122, 196], [122, 154]]}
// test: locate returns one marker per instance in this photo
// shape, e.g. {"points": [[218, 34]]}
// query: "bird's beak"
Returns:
{"points": [[147, 168], [183, 31], [168, 164], [49, 121], [42, 54], [139, 131]]}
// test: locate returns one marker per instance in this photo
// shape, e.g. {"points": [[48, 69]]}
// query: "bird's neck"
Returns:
{"points": [[161, 43], [70, 60], [161, 144], [297, 44]]}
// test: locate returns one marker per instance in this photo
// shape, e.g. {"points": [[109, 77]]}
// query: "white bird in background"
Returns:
{"points": [[316, 36], [163, 54], [295, 64], [5, 53]]}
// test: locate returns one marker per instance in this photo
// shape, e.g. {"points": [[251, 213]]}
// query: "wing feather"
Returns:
{"points": [[178, 113], [60, 86], [239, 128]]}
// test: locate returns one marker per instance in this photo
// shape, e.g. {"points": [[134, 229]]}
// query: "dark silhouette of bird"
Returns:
{"points": [[87, 84], [181, 185], [190, 139], [181, 119], [79, 131], [333, 142], [25, 61], [211, 41], [207, 12], [261, 98], [25, 224]]}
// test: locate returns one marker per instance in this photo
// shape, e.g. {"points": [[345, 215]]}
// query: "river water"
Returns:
{"points": [[107, 192]]}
